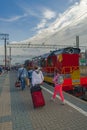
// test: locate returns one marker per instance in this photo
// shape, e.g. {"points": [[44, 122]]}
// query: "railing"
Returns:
{"points": [[67, 70]]}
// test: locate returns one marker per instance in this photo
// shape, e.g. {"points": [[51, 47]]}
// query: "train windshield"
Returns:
{"points": [[68, 50], [71, 50]]}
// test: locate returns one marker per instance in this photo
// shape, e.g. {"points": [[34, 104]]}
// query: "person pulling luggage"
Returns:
{"points": [[36, 93]]}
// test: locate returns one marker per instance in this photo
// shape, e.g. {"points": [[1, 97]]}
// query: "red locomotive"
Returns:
{"points": [[67, 61]]}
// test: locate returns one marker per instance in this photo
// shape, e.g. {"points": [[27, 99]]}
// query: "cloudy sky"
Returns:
{"points": [[22, 19], [43, 21]]}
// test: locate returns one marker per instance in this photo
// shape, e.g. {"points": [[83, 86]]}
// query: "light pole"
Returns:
{"points": [[5, 37], [10, 57], [77, 41]]}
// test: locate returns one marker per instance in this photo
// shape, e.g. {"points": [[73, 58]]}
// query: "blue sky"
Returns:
{"points": [[22, 19]]}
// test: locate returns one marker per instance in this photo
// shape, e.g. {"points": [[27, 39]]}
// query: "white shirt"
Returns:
{"points": [[37, 78]]}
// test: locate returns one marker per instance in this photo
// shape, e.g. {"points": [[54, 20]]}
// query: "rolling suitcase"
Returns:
{"points": [[37, 98]]}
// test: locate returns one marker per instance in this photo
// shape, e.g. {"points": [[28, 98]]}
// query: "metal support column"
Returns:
{"points": [[5, 53], [10, 57], [5, 37]]}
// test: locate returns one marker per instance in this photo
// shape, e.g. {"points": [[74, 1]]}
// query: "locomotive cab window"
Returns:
{"points": [[69, 51]]}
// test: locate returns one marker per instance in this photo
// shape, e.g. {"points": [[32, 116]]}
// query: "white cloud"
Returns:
{"points": [[42, 24], [12, 19], [30, 12], [44, 15], [71, 17], [64, 26], [49, 14]]}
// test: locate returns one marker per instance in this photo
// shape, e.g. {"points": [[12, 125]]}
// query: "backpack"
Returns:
{"points": [[60, 79]]}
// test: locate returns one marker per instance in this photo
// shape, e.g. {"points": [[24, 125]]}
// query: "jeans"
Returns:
{"points": [[23, 83]]}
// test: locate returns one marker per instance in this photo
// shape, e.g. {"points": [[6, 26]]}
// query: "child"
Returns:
{"points": [[58, 87]]}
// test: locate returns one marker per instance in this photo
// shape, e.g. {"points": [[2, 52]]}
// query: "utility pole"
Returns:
{"points": [[5, 37], [10, 57], [77, 41]]}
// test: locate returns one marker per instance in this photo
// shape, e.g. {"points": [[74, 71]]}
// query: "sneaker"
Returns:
{"points": [[52, 99]]}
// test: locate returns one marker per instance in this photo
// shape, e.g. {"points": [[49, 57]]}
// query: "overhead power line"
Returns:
{"points": [[45, 46]]}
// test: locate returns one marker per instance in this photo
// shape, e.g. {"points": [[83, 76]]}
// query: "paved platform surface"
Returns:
{"points": [[17, 112]]}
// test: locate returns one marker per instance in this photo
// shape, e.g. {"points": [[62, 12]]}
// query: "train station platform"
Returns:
{"points": [[17, 112]]}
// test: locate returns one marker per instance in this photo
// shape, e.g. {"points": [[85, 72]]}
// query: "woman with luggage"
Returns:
{"points": [[36, 93], [37, 76]]}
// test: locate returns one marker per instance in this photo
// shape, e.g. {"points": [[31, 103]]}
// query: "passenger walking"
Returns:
{"points": [[37, 76], [22, 75], [36, 93], [57, 87]]}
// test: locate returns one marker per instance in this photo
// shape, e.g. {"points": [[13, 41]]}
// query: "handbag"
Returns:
{"points": [[27, 81], [17, 83]]}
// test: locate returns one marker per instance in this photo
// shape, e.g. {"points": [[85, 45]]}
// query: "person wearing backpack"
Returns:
{"points": [[22, 74], [58, 80]]}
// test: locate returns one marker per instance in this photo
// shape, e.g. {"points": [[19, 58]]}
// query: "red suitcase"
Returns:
{"points": [[38, 99]]}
